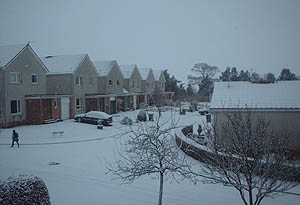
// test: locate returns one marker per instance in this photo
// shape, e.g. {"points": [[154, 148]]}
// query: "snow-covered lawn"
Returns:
{"points": [[81, 178]]}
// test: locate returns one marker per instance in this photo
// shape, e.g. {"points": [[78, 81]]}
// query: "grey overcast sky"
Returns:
{"points": [[167, 34]]}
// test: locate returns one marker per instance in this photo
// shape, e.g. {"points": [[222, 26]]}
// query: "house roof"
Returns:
{"points": [[278, 95], [62, 63], [103, 67], [157, 74], [127, 70], [144, 72], [8, 52]]}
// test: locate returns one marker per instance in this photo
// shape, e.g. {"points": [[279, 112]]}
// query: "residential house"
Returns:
{"points": [[22, 75], [278, 103], [71, 76], [160, 81], [132, 84], [110, 96], [148, 85], [160, 96]]}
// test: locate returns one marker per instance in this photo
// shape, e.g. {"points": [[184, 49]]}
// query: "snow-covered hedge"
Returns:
{"points": [[26, 190]]}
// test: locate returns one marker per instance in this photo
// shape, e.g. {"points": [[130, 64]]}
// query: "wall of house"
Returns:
{"points": [[92, 104], [101, 84], [60, 84], [27, 64], [126, 84], [136, 77], [160, 84], [88, 74], [150, 83], [115, 75], [280, 120]]}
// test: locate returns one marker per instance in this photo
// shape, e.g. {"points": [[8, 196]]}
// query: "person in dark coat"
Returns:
{"points": [[15, 138]]}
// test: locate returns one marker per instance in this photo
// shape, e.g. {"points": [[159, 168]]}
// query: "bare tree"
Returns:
{"points": [[150, 151], [204, 78], [246, 154]]}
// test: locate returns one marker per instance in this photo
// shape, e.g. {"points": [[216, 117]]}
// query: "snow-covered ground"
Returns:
{"points": [[81, 178]]}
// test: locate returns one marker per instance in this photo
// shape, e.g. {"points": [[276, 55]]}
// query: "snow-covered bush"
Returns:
{"points": [[126, 121], [142, 116], [24, 190]]}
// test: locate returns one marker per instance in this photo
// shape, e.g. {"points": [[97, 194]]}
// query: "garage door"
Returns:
{"points": [[65, 108]]}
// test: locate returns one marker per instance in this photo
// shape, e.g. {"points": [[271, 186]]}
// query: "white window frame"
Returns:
{"points": [[78, 81], [19, 107], [78, 104], [110, 83], [17, 77], [118, 83], [37, 79], [132, 83]]}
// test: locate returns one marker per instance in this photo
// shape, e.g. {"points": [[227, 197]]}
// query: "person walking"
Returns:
{"points": [[15, 138]]}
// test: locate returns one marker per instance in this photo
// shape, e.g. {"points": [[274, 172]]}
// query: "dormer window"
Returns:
{"points": [[118, 83], [110, 82], [132, 84]]}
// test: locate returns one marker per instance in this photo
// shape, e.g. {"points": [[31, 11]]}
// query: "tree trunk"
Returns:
{"points": [[161, 186], [250, 197]]}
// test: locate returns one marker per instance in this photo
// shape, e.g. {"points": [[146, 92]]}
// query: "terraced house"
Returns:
{"points": [[72, 77], [132, 84], [36, 90], [110, 96], [22, 75]]}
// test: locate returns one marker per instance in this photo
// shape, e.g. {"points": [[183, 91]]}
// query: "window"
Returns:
{"points": [[55, 103], [15, 77], [110, 82], [152, 85], [78, 103], [91, 81], [137, 84], [132, 84], [15, 106], [78, 81], [148, 84], [34, 79], [118, 83]]}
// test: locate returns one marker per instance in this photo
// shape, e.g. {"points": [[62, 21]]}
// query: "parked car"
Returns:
{"points": [[94, 117]]}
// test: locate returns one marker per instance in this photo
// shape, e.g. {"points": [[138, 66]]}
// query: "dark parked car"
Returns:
{"points": [[95, 117]]}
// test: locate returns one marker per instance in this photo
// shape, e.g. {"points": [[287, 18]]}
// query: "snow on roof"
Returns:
{"points": [[103, 67], [144, 72], [157, 74], [127, 70], [8, 52], [62, 63], [278, 95]]}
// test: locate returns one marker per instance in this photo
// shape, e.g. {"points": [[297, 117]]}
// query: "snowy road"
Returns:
{"points": [[81, 178]]}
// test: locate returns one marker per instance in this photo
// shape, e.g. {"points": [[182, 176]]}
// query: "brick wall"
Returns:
{"points": [[33, 111], [91, 104]]}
